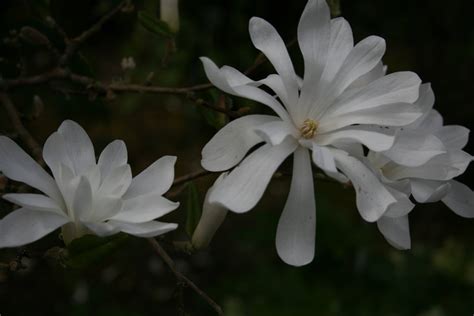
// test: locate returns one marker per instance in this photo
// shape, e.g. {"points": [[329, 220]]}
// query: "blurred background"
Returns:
{"points": [[355, 272]]}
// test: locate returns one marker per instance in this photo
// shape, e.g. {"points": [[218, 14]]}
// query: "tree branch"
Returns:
{"points": [[23, 133], [171, 265]]}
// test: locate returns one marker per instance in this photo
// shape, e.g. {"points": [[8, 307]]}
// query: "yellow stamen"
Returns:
{"points": [[309, 128]]}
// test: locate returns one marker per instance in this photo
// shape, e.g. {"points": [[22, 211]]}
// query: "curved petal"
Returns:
{"points": [[276, 132], [398, 87], [117, 181], [34, 202], [396, 231], [324, 159], [268, 41], [402, 207], [232, 142], [313, 38], [157, 178], [296, 232], [55, 154], [78, 146], [145, 230], [104, 207], [376, 139], [101, 229], [413, 149], [113, 156], [425, 102], [378, 72], [218, 78], [398, 114], [454, 137], [82, 203], [426, 191], [372, 197], [244, 186], [17, 165], [460, 199], [24, 226], [362, 59], [144, 208]]}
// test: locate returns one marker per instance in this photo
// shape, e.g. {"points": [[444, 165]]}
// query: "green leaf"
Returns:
{"points": [[193, 208], [90, 249], [154, 25]]}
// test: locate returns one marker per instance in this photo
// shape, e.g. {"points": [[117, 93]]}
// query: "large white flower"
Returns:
{"points": [[341, 101], [423, 161], [83, 196]]}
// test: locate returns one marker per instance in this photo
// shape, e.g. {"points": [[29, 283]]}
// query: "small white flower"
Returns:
{"points": [[128, 63], [83, 196], [425, 158], [343, 100]]}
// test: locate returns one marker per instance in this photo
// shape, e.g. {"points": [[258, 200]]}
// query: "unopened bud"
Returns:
{"points": [[212, 217], [169, 13]]}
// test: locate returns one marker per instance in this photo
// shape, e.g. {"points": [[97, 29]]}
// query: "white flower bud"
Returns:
{"points": [[169, 13], [128, 63], [212, 217]]}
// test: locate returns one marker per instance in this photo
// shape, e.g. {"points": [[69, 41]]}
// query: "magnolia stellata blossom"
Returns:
{"points": [[83, 196], [342, 101], [423, 162]]}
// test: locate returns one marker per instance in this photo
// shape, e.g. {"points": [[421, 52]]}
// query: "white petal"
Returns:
{"points": [[24, 226], [376, 139], [145, 208], [232, 142], [398, 114], [113, 156], [399, 87], [218, 78], [17, 165], [340, 45], [460, 199], [266, 39], [276, 132], [104, 207], [396, 231], [378, 72], [426, 191], [79, 146], [414, 149], [55, 154], [362, 59], [244, 186], [82, 204], [313, 37], [402, 207], [275, 83], [454, 137], [146, 230], [34, 202], [323, 158], [101, 229], [157, 178], [425, 102], [430, 122], [372, 197], [296, 232], [117, 182]]}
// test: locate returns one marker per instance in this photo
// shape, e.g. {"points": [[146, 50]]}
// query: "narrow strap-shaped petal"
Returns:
{"points": [[396, 231], [454, 137], [55, 154], [232, 142], [24, 226], [378, 72], [19, 166], [34, 202], [82, 203], [460, 199], [117, 181], [244, 186], [78, 145], [101, 229], [276, 132], [157, 178], [372, 197], [375, 138], [145, 230], [313, 38], [427, 191], [296, 232], [268, 41], [145, 208]]}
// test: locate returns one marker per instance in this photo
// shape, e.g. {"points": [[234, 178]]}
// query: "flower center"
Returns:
{"points": [[309, 128]]}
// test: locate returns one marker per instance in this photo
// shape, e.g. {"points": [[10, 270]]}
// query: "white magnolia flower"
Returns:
{"points": [[341, 101], [83, 196], [423, 162]]}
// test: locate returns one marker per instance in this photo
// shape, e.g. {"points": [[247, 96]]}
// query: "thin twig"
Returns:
{"points": [[74, 44], [23, 133], [191, 176], [171, 265]]}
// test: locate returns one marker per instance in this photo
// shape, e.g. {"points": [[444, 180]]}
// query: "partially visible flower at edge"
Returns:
{"points": [[83, 196], [169, 13]]}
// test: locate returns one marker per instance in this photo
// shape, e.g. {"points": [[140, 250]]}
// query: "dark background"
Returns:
{"points": [[355, 271]]}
